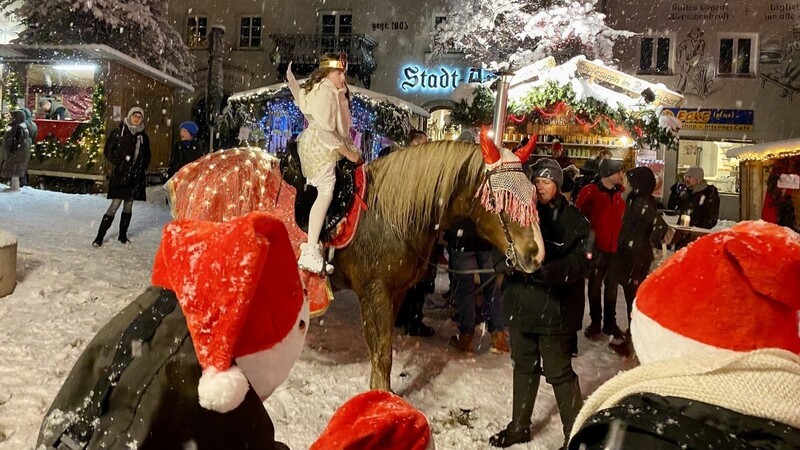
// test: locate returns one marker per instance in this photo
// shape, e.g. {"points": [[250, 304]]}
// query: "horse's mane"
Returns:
{"points": [[412, 187]]}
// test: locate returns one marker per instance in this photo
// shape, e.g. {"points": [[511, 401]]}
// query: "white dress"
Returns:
{"points": [[328, 113]]}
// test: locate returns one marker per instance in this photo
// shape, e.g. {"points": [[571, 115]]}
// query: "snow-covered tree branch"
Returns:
{"points": [[139, 28], [500, 34]]}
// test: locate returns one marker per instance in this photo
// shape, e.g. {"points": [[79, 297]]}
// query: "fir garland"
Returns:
{"points": [[641, 125], [479, 112]]}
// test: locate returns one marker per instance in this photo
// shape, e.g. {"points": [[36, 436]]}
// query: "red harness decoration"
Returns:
{"points": [[346, 229]]}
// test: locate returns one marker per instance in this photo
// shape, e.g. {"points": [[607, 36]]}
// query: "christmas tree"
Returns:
{"points": [[503, 34], [139, 28]]}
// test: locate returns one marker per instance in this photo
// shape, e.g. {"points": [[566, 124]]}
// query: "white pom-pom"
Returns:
{"points": [[222, 391]]}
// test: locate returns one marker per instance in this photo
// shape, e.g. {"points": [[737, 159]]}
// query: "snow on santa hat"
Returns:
{"points": [[731, 291], [239, 288], [376, 420]]}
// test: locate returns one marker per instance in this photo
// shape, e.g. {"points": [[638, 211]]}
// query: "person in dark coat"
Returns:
{"points": [[32, 128], [186, 150], [16, 150], [189, 363], [128, 150], [643, 228], [545, 309], [471, 252], [701, 201]]}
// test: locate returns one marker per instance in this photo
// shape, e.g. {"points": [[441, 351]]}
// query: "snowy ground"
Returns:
{"points": [[67, 290]]}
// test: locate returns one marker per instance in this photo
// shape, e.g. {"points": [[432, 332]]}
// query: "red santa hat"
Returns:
{"points": [[731, 291], [239, 288], [376, 420]]}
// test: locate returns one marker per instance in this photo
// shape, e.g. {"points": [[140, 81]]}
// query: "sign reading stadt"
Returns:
{"points": [[714, 119], [439, 79]]}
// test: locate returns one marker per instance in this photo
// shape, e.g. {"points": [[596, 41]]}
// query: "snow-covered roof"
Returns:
{"points": [[568, 73], [85, 52], [282, 89], [767, 150]]}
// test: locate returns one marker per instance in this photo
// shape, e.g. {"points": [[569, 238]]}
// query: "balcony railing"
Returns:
{"points": [[303, 51]]}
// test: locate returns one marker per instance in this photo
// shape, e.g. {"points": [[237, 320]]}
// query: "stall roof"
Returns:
{"points": [[767, 150], [280, 89], [84, 52], [542, 72]]}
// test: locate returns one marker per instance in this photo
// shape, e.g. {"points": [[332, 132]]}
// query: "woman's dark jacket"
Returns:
{"points": [[643, 228], [152, 398], [128, 177], [551, 300]]}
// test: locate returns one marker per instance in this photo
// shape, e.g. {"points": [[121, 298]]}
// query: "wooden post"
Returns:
{"points": [[214, 87], [8, 263]]}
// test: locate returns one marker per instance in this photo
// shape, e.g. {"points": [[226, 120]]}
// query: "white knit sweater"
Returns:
{"points": [[762, 383]]}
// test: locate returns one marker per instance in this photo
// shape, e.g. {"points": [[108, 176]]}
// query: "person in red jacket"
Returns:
{"points": [[601, 202]]}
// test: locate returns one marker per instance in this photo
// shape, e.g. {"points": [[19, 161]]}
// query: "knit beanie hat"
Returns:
{"points": [[550, 169], [376, 420], [135, 110], [642, 180], [731, 291], [189, 126], [238, 286], [696, 172], [609, 167]]}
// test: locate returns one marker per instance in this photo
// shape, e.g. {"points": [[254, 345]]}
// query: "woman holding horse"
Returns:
{"points": [[323, 100]]}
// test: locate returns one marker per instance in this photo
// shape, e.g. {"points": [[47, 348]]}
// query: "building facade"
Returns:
{"points": [[737, 62], [387, 43]]}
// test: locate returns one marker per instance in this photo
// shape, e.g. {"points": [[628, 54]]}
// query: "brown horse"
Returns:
{"points": [[411, 195]]}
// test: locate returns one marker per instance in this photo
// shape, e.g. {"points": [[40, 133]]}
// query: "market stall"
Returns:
{"points": [[268, 118], [770, 181], [87, 90], [586, 109]]}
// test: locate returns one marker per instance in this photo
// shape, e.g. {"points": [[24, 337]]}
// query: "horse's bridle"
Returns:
{"points": [[511, 254]]}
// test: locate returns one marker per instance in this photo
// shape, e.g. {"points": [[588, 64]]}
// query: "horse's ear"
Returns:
{"points": [[525, 152], [490, 152]]}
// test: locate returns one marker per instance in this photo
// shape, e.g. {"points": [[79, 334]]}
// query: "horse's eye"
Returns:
{"points": [[302, 325]]}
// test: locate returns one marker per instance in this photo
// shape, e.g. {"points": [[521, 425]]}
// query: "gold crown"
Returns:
{"points": [[332, 64]]}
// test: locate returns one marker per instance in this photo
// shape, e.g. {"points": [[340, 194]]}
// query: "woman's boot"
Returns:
{"points": [[124, 221], [105, 224]]}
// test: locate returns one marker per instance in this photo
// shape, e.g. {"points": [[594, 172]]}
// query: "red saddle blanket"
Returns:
{"points": [[346, 229]]}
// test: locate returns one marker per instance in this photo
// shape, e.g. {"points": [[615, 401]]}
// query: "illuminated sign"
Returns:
{"points": [[439, 79], [714, 119]]}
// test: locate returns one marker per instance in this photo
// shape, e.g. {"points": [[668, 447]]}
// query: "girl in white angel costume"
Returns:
{"points": [[323, 101]]}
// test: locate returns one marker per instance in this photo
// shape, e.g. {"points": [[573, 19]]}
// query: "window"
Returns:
{"points": [[736, 55], [439, 19], [721, 171], [197, 36], [250, 32], [336, 28], [655, 55]]}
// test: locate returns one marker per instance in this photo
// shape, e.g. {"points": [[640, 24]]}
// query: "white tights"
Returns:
{"points": [[316, 218], [14, 183]]}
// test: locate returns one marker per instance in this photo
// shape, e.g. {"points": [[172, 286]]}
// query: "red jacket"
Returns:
{"points": [[604, 208]]}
